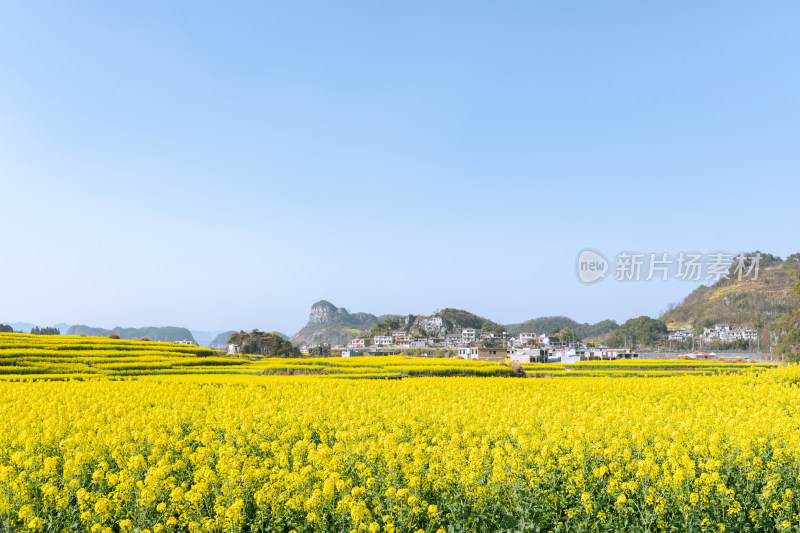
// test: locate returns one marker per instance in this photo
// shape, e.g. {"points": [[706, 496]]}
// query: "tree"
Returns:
{"points": [[489, 342], [640, 332], [6, 329], [386, 327], [567, 335], [320, 350]]}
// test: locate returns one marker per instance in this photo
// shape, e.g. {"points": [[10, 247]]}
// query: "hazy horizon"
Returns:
{"points": [[226, 167]]}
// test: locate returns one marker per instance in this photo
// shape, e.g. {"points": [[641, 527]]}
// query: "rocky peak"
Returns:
{"points": [[323, 312], [331, 324], [434, 326]]}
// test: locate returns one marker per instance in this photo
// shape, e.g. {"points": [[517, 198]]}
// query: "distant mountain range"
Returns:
{"points": [[163, 334], [220, 342], [204, 338], [211, 339], [170, 334], [547, 324], [26, 327]]}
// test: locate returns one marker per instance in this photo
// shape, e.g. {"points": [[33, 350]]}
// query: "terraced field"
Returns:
{"points": [[34, 357]]}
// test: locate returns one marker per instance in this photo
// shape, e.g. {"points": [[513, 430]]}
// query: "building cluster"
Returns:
{"points": [[725, 333], [718, 333], [472, 344], [403, 339], [681, 334]]}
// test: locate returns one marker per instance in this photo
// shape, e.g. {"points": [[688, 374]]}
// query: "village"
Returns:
{"points": [[477, 345], [719, 333], [526, 347]]}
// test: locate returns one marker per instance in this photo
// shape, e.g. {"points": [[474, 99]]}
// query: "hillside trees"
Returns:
{"points": [[567, 335], [547, 324], [264, 344], [640, 332], [786, 332], [465, 319]]}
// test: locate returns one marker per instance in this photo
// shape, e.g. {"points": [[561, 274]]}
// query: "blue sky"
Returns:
{"points": [[223, 166]]}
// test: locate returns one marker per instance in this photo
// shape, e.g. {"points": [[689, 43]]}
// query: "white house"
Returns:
{"points": [[402, 340], [468, 336], [359, 343], [468, 353], [750, 334], [680, 334], [528, 355], [383, 340], [522, 356], [452, 339], [565, 356], [474, 353]]}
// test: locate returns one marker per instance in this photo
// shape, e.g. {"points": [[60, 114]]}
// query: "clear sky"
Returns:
{"points": [[224, 166]]}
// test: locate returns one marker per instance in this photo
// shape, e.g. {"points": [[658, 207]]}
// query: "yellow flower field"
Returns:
{"points": [[306, 453]]}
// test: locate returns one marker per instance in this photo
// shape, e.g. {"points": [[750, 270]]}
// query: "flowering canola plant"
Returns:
{"points": [[306, 453]]}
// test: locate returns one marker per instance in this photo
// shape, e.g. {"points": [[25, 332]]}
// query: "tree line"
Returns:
{"points": [[36, 330]]}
